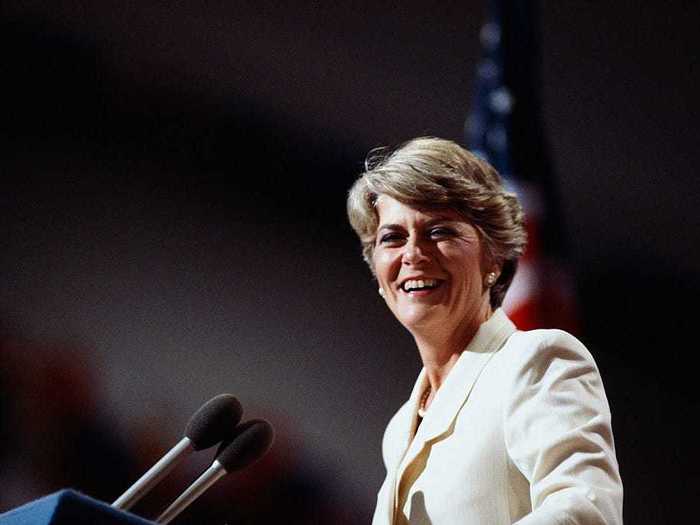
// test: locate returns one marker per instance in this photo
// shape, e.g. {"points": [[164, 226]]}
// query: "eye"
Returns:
{"points": [[390, 238], [440, 232]]}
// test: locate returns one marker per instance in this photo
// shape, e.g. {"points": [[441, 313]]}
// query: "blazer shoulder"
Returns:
{"points": [[537, 353], [546, 344]]}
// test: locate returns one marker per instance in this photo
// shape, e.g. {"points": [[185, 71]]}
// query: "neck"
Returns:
{"points": [[440, 349]]}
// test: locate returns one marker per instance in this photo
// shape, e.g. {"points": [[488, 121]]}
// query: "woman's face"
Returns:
{"points": [[429, 264]]}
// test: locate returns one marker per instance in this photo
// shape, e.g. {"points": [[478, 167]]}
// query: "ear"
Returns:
{"points": [[490, 266], [489, 262]]}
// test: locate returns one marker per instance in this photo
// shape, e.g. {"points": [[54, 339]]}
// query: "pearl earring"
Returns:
{"points": [[490, 279], [381, 291]]}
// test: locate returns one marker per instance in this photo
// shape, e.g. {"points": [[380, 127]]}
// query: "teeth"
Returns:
{"points": [[417, 284]]}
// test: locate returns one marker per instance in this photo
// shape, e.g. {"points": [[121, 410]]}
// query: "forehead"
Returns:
{"points": [[391, 211]]}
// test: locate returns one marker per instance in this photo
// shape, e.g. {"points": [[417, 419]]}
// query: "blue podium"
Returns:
{"points": [[69, 507]]}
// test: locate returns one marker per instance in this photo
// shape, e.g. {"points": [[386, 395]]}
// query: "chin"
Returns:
{"points": [[418, 318]]}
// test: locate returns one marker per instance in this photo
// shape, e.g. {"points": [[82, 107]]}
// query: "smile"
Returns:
{"points": [[417, 285]]}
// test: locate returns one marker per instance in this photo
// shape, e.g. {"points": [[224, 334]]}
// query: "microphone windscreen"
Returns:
{"points": [[253, 438], [215, 421]]}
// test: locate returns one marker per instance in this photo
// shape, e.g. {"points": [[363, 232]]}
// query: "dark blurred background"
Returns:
{"points": [[172, 226]]}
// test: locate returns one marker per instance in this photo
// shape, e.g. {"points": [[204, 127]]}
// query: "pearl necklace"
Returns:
{"points": [[423, 400]]}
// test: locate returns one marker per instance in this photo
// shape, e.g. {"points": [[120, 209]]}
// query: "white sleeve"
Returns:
{"points": [[559, 435]]}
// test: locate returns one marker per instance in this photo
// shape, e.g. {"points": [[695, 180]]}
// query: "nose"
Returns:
{"points": [[414, 253]]}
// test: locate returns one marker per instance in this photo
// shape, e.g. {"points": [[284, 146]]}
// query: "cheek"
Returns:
{"points": [[465, 263], [382, 265]]}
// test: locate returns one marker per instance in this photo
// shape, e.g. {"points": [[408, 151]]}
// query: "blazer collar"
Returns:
{"points": [[454, 392]]}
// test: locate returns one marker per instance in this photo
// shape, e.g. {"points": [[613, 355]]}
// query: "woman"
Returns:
{"points": [[502, 426]]}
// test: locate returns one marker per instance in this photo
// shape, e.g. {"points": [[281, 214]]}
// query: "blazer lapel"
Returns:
{"points": [[401, 440], [449, 399]]}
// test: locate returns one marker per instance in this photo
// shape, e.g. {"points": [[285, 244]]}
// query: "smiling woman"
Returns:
{"points": [[430, 266], [502, 426]]}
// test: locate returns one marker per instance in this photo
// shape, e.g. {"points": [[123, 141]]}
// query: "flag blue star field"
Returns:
{"points": [[504, 127]]}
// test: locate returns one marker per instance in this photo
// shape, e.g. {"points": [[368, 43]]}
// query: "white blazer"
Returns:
{"points": [[519, 432]]}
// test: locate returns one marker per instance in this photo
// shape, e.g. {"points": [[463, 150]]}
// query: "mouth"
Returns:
{"points": [[420, 285]]}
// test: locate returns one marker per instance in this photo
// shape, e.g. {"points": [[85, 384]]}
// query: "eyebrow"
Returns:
{"points": [[389, 227], [431, 222]]}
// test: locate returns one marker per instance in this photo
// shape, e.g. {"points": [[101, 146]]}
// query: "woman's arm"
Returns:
{"points": [[559, 434]]}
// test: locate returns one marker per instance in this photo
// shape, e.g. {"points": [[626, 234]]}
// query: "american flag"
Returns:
{"points": [[505, 128]]}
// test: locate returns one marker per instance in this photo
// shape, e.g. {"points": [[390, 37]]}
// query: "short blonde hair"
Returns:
{"points": [[436, 173]]}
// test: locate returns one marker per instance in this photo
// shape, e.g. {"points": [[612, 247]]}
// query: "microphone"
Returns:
{"points": [[252, 440], [213, 422]]}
